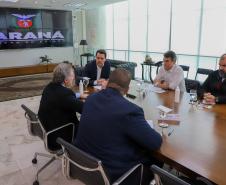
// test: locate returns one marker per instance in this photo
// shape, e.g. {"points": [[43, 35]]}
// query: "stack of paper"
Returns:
{"points": [[98, 87], [156, 89], [171, 117]]}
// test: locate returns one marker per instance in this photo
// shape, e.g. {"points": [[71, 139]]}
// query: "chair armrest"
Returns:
{"points": [[59, 132], [128, 173], [59, 128]]}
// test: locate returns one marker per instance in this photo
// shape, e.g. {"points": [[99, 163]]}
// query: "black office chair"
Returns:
{"points": [[163, 177], [79, 73], [185, 68], [158, 65], [81, 165], [192, 84], [36, 128], [33, 125], [203, 71]]}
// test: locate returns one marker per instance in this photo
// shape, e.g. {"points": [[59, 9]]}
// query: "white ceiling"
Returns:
{"points": [[56, 4]]}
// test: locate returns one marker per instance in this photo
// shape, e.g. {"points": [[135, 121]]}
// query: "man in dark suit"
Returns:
{"points": [[59, 104], [114, 130], [215, 85], [98, 70]]}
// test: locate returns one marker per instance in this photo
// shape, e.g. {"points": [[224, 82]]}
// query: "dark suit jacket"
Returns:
{"points": [[91, 71], [115, 131], [58, 106], [215, 86]]}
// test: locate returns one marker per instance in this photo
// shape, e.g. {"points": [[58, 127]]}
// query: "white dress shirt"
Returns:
{"points": [[174, 77], [99, 69]]}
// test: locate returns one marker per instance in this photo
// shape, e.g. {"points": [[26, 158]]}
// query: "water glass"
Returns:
{"points": [[193, 95], [86, 83]]}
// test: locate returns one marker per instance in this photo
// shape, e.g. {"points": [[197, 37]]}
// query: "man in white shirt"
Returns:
{"points": [[170, 75]]}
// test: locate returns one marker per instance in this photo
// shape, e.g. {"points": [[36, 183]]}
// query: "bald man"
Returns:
{"points": [[114, 130]]}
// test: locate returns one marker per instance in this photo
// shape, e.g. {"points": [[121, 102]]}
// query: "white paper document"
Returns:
{"points": [[171, 117], [98, 87], [150, 123], [164, 109], [156, 89]]}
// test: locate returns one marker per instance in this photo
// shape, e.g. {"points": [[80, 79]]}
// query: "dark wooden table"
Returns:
{"points": [[198, 144]]}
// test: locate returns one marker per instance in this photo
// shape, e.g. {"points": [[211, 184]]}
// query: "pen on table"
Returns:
{"points": [[169, 134]]}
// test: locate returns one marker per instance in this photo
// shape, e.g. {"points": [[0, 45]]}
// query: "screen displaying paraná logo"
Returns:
{"points": [[32, 28]]}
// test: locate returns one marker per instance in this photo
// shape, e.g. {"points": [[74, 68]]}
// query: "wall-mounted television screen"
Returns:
{"points": [[32, 28]]}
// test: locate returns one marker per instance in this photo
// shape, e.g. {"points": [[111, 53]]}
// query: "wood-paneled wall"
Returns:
{"points": [[26, 70]]}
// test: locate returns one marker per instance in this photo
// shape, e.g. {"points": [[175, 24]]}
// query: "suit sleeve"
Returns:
{"points": [[108, 70], [221, 99], [72, 103], [139, 130], [87, 72], [205, 87]]}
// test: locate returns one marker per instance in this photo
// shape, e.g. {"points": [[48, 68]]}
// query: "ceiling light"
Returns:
{"points": [[75, 4]]}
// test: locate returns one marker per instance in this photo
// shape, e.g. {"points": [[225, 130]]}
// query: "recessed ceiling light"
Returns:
{"points": [[75, 4], [36, 2]]}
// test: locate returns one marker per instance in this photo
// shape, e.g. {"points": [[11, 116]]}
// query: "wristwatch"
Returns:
{"points": [[217, 99]]}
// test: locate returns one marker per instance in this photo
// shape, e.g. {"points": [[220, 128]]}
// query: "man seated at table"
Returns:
{"points": [[170, 75], [114, 130], [215, 84], [59, 104], [98, 70]]}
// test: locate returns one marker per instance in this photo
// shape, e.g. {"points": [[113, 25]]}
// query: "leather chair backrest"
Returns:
{"points": [[166, 178], [34, 127], [84, 160]]}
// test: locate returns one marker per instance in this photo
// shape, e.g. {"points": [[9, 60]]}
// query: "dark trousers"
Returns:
{"points": [[147, 173]]}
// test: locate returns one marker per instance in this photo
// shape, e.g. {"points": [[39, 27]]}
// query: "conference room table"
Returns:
{"points": [[197, 145]]}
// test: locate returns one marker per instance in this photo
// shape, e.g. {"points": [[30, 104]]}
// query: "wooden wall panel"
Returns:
{"points": [[26, 70]]}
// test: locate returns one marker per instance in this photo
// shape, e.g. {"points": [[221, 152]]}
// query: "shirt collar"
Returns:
{"points": [[171, 70], [99, 67]]}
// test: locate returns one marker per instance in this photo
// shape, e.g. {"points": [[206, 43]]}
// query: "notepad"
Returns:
{"points": [[164, 109], [156, 89], [171, 117]]}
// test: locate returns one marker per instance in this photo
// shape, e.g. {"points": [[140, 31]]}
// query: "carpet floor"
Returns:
{"points": [[23, 86]]}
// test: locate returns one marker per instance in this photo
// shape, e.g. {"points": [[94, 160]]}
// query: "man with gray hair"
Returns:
{"points": [[114, 130], [59, 104]]}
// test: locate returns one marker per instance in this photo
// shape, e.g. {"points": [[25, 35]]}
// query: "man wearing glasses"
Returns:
{"points": [[215, 84]]}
